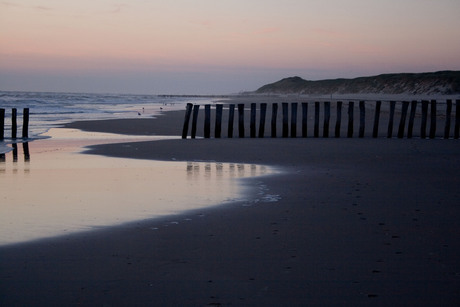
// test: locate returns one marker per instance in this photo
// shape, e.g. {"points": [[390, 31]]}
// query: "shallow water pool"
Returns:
{"points": [[48, 187]]}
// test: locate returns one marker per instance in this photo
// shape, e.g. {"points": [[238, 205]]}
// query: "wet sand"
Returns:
{"points": [[359, 222]]}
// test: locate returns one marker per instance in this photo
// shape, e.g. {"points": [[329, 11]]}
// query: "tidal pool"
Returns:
{"points": [[49, 188]]}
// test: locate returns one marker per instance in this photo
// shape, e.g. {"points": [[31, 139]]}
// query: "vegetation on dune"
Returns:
{"points": [[442, 82]]}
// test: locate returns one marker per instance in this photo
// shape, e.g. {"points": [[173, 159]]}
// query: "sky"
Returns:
{"points": [[218, 46]]}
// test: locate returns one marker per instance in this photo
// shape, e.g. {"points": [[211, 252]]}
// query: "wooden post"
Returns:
{"points": [[362, 118], [14, 124], [294, 119], [448, 114], [338, 121], [304, 119], [424, 119], [263, 114], [188, 112], [2, 124], [402, 122], [218, 127], [207, 121], [231, 116], [433, 120], [327, 118], [375, 131], [25, 123], [273, 122], [410, 128], [316, 130], [457, 119], [196, 109], [391, 120], [241, 120], [285, 107], [252, 124], [351, 106]]}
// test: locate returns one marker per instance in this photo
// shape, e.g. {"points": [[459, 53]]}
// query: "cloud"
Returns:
{"points": [[10, 4], [117, 8], [206, 23], [35, 7], [268, 30], [327, 32], [42, 8]]}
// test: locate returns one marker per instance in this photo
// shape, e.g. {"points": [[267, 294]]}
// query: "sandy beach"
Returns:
{"points": [[355, 222]]}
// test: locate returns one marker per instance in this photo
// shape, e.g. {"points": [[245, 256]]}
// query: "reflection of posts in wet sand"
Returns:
{"points": [[26, 151], [216, 170], [25, 148], [15, 152], [2, 163], [219, 170]]}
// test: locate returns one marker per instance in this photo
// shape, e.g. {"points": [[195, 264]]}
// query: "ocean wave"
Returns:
{"points": [[49, 109]]}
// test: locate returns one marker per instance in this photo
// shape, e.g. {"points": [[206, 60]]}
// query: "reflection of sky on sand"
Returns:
{"points": [[55, 190]]}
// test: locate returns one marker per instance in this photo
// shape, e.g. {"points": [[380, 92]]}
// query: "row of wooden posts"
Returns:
{"points": [[326, 116], [14, 124]]}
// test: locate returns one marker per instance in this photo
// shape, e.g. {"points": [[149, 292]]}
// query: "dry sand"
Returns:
{"points": [[360, 222]]}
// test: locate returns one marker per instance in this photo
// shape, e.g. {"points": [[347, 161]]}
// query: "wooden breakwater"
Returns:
{"points": [[14, 124], [401, 119]]}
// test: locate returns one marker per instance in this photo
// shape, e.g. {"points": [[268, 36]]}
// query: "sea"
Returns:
{"points": [[48, 109], [48, 190]]}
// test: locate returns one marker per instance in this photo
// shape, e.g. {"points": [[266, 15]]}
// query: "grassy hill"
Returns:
{"points": [[442, 82]]}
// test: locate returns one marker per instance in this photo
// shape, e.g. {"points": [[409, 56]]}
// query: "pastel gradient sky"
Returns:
{"points": [[218, 46]]}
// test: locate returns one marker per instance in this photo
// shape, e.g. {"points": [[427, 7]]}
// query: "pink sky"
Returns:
{"points": [[209, 46]]}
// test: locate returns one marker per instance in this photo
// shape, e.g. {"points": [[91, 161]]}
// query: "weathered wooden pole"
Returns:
{"points": [[424, 119], [218, 126], [402, 122], [2, 124], [457, 119], [196, 109], [351, 106], [188, 112], [273, 121], [433, 120], [375, 131], [285, 107], [231, 116], [338, 121], [263, 114], [304, 119], [14, 124], [327, 118], [25, 123], [413, 108], [252, 124], [207, 121], [391, 120], [294, 106], [362, 118], [241, 120], [448, 115], [316, 128]]}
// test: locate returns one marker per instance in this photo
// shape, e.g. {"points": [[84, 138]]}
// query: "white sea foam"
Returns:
{"points": [[52, 109]]}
